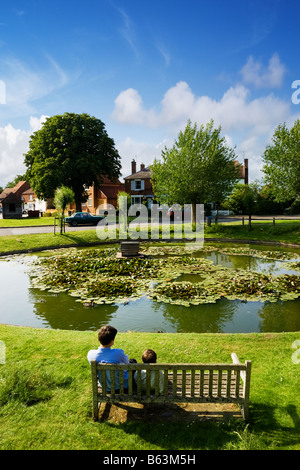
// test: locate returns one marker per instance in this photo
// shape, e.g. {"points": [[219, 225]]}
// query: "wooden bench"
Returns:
{"points": [[187, 383]]}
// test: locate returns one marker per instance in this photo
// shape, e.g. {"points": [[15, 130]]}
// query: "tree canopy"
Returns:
{"points": [[73, 150], [282, 163], [199, 168]]}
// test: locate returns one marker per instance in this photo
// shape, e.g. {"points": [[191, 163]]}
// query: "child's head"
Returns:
{"points": [[149, 356], [106, 335]]}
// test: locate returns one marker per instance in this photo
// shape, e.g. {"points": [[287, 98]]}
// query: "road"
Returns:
{"points": [[40, 229], [6, 231]]}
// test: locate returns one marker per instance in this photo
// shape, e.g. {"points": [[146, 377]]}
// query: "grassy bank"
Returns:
{"points": [[45, 393], [39, 241], [282, 233], [27, 222], [288, 233]]}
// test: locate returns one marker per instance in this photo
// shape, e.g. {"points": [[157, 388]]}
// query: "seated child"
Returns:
{"points": [[105, 353], [149, 356]]}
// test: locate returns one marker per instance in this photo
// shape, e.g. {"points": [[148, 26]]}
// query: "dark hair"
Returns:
{"points": [[107, 334], [149, 356]]}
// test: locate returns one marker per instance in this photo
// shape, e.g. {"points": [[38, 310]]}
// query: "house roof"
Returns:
{"points": [[12, 195], [105, 180], [28, 191], [111, 192], [142, 174], [5, 193]]}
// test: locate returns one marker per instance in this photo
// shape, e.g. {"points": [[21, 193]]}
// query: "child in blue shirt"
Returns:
{"points": [[104, 353]]}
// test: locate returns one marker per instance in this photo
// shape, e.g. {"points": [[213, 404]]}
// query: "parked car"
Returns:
{"points": [[83, 218]]}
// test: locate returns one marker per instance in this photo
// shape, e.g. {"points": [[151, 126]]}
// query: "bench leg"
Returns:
{"points": [[96, 407], [245, 412]]}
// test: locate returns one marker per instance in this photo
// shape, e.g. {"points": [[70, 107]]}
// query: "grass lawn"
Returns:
{"points": [[283, 233], [27, 222], [44, 240], [45, 393]]}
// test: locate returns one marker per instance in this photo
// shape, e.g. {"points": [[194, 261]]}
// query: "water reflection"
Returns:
{"points": [[282, 316], [59, 311], [249, 263], [222, 317]]}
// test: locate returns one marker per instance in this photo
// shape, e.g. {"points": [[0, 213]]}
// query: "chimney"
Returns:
{"points": [[133, 167], [142, 166], [246, 170]]}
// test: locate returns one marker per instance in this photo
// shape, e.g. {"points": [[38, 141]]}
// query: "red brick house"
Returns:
{"points": [[139, 186], [106, 193]]}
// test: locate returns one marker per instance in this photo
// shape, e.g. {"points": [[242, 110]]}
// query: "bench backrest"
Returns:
{"points": [[231, 381]]}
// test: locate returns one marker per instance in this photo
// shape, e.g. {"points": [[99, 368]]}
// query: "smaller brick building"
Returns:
{"points": [[11, 200]]}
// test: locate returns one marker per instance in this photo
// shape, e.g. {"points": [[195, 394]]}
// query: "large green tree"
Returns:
{"points": [[282, 162], [73, 150], [199, 168]]}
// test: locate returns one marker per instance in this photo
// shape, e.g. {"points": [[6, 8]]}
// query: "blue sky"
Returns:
{"points": [[145, 68]]}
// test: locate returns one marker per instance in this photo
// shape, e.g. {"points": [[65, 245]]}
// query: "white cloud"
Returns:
{"points": [[234, 111], [128, 107], [264, 77], [248, 123], [36, 123], [142, 152], [177, 103], [14, 143]]}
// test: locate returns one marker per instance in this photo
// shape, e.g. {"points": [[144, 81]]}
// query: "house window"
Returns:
{"points": [[30, 197], [89, 202], [136, 199], [137, 185]]}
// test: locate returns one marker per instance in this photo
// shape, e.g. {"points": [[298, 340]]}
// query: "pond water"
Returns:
{"points": [[21, 304]]}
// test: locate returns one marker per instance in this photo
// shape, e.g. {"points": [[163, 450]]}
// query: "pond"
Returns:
{"points": [[22, 303]]}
